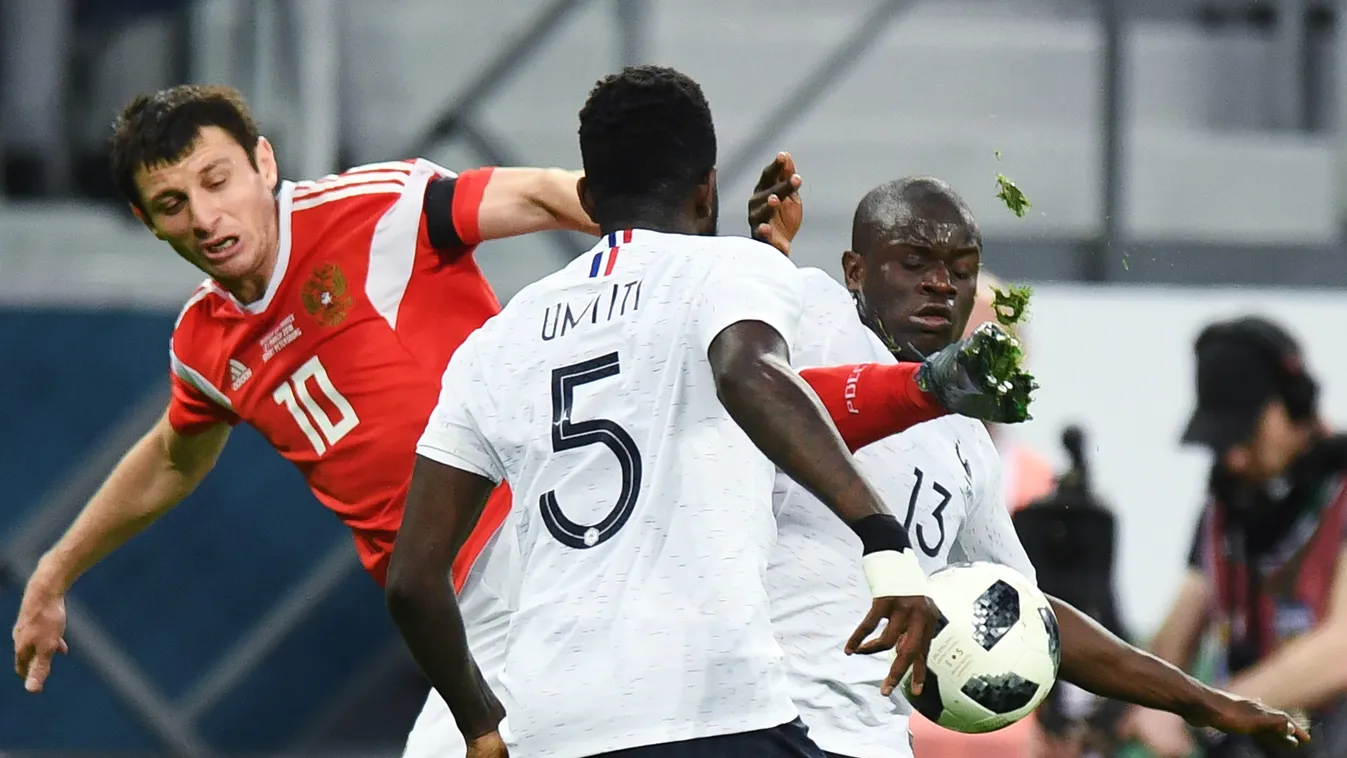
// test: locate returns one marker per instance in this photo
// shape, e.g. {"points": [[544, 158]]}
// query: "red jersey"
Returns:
{"points": [[338, 365]]}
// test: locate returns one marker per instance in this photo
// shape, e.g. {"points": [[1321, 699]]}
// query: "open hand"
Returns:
{"points": [[911, 624], [775, 209], [39, 634], [981, 376]]}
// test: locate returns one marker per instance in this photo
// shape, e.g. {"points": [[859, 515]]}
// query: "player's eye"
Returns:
{"points": [[169, 207], [215, 182]]}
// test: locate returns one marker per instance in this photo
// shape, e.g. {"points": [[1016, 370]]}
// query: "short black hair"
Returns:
{"points": [[646, 134], [897, 201], [161, 128]]}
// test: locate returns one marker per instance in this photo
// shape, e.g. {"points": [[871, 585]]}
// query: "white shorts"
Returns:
{"points": [[484, 601]]}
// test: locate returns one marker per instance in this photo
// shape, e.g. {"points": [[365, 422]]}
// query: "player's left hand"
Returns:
{"points": [[910, 624], [775, 210], [1271, 728], [981, 376], [39, 635]]}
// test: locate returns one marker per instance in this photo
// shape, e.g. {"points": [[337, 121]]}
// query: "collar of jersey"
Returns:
{"points": [[284, 199]]}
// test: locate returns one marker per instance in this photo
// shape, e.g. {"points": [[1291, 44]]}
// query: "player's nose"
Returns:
{"points": [[205, 220], [938, 280], [207, 212], [203, 229]]}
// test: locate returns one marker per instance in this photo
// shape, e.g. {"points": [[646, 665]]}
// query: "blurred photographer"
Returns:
{"points": [[1267, 571]]}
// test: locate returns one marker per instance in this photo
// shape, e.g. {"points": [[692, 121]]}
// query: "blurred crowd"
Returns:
{"points": [[49, 53]]}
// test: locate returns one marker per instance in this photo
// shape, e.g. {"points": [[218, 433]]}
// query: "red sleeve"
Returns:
{"points": [[191, 412], [469, 188], [871, 401]]}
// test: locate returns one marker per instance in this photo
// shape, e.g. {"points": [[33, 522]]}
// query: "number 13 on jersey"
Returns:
{"points": [[322, 430]]}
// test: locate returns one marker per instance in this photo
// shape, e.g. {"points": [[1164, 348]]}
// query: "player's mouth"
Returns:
{"points": [[221, 249], [933, 317]]}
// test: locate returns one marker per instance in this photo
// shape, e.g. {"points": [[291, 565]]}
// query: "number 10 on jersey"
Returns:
{"points": [[322, 430]]}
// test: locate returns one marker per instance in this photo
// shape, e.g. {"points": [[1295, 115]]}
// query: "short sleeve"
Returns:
{"points": [[451, 209], [830, 334], [469, 189], [454, 434], [749, 281], [191, 409], [989, 532]]}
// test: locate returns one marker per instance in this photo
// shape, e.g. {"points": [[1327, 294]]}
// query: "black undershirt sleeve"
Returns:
{"points": [[438, 208]]}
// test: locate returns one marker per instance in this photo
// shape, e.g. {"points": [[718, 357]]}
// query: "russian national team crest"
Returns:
{"points": [[325, 296]]}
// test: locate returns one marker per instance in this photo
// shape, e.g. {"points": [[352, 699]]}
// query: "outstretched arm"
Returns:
{"points": [[494, 203], [524, 200], [1097, 661], [154, 475]]}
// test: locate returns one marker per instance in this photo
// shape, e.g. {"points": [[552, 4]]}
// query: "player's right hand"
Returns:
{"points": [[489, 745], [910, 624], [981, 376], [775, 209], [39, 635]]}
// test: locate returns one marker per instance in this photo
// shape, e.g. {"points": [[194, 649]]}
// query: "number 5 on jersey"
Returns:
{"points": [[322, 430], [568, 434]]}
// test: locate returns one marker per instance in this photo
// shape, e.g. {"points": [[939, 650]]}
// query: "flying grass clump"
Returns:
{"points": [[1005, 361]]}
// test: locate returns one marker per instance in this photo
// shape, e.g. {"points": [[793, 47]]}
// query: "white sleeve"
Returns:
{"points": [[454, 435], [749, 281], [830, 333], [989, 533]]}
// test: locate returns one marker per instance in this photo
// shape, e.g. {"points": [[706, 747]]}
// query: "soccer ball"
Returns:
{"points": [[995, 652]]}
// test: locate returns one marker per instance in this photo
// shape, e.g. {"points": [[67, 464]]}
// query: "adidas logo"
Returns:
{"points": [[238, 374]]}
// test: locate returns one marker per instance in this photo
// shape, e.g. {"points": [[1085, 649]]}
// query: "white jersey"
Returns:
{"points": [[941, 478], [643, 513]]}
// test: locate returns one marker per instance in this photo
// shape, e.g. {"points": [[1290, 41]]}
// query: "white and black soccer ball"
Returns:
{"points": [[995, 652]]}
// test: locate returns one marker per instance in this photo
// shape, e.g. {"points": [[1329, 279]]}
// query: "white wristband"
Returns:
{"points": [[894, 574]]}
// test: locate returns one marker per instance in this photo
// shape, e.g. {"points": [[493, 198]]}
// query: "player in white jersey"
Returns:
{"points": [[627, 399], [911, 279]]}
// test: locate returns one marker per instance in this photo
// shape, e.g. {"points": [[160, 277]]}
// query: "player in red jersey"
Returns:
{"points": [[331, 310]]}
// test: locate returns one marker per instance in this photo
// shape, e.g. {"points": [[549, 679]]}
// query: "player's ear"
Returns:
{"points": [[706, 196], [586, 199], [266, 163], [140, 216], [853, 270]]}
